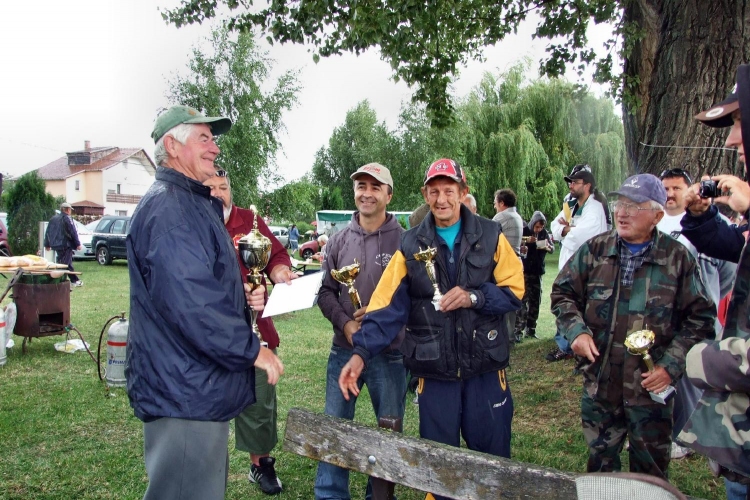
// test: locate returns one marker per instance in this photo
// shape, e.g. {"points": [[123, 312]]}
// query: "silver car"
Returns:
{"points": [[281, 233], [84, 236]]}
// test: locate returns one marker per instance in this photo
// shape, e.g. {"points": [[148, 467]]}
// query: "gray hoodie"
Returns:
{"points": [[538, 216], [373, 251]]}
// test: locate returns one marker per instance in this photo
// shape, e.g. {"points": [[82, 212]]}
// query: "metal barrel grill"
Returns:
{"points": [[43, 305]]}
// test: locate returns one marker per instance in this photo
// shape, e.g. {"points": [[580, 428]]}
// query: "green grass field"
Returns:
{"points": [[64, 436]]}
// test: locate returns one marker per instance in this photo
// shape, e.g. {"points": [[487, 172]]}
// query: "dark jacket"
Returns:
{"points": [[239, 224], [61, 233], [459, 344], [713, 236], [533, 264], [190, 349], [373, 251]]}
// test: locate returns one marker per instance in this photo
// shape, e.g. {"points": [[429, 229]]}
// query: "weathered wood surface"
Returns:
{"points": [[421, 464]]}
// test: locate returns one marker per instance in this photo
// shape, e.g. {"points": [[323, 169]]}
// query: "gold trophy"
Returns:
{"points": [[346, 276], [255, 252], [638, 343], [427, 255]]}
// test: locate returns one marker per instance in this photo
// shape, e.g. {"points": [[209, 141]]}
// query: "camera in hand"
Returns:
{"points": [[709, 189]]}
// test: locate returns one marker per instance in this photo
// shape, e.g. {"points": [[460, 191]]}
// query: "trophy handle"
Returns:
{"points": [[354, 296], [649, 362], [255, 280]]}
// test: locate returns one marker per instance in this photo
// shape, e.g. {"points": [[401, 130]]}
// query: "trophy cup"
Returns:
{"points": [[346, 276], [255, 252], [427, 257], [638, 343]]}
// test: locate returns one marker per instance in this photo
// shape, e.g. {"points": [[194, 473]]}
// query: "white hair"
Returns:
{"points": [[323, 238], [655, 205], [180, 133], [472, 201]]}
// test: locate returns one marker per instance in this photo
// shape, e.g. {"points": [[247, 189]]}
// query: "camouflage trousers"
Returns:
{"points": [[647, 427], [532, 297]]}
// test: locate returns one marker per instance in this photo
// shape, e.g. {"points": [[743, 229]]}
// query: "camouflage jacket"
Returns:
{"points": [[667, 297], [718, 428]]}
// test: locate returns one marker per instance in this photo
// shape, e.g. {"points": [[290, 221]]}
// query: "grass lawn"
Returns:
{"points": [[64, 436]]}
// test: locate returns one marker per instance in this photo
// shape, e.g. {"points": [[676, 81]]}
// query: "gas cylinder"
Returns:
{"points": [[3, 337], [117, 341]]}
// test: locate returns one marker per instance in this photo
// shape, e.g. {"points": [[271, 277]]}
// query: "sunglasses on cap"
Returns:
{"points": [[676, 172], [221, 173], [580, 168]]}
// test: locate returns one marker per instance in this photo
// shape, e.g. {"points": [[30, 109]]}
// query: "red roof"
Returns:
{"points": [[61, 169]]}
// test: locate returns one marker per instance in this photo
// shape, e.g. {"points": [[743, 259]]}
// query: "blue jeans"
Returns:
{"points": [[735, 491], [385, 378], [562, 342]]}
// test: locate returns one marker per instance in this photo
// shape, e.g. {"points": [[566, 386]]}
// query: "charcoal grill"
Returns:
{"points": [[43, 305]]}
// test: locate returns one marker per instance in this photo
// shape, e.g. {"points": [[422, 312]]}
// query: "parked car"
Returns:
{"points": [[108, 241], [4, 247], [281, 233], [309, 249], [84, 236]]}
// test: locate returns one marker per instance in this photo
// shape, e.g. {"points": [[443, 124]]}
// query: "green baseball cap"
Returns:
{"points": [[177, 115]]}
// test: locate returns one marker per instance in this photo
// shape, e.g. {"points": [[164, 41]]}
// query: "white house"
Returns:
{"points": [[100, 181]]}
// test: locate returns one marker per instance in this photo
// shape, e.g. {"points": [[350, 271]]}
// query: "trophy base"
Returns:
{"points": [[664, 396], [436, 304]]}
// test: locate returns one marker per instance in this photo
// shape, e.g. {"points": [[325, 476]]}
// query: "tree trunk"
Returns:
{"points": [[686, 61]]}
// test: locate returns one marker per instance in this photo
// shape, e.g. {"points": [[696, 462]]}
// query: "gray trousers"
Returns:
{"points": [[186, 459]]}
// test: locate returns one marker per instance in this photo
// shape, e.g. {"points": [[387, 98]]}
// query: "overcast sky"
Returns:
{"points": [[97, 70]]}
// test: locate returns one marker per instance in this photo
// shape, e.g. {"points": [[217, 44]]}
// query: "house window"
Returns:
{"points": [[118, 189], [122, 213], [78, 185]]}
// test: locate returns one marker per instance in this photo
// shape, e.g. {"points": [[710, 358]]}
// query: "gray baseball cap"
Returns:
{"points": [[642, 187]]}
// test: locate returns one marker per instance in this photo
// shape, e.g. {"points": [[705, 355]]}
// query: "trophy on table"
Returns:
{"points": [[427, 256], [255, 252], [346, 276], [638, 343]]}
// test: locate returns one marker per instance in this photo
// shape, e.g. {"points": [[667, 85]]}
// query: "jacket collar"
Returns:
{"points": [[470, 228], [172, 176], [658, 255]]}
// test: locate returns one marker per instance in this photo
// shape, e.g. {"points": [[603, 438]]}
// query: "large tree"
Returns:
{"points": [[28, 203], [229, 80], [679, 56]]}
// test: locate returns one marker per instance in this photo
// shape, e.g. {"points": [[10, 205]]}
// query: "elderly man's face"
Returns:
{"points": [[196, 157], [220, 189], [636, 221], [735, 137], [444, 196]]}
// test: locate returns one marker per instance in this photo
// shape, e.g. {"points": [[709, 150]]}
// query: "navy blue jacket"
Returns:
{"points": [[190, 350], [713, 236]]}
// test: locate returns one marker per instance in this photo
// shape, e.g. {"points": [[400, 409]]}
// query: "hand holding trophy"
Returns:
{"points": [[427, 256], [346, 276], [255, 252], [638, 343]]}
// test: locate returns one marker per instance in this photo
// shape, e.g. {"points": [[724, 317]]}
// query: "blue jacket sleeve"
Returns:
{"points": [[387, 312], [713, 236]]}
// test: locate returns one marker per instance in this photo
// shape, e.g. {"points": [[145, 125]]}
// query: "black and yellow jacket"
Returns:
{"points": [[455, 345]]}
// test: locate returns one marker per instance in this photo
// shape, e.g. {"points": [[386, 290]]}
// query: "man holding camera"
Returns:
{"points": [[718, 427]]}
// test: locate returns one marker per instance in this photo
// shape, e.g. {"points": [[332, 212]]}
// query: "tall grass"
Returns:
{"points": [[64, 436]]}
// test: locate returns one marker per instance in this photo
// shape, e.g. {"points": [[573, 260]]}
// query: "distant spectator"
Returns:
{"points": [[508, 217], [62, 237], [418, 215], [471, 203], [294, 238], [321, 255]]}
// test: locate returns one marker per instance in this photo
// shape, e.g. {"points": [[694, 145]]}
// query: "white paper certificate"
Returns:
{"points": [[300, 294]]}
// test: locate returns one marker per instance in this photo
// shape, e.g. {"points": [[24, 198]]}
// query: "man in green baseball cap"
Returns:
{"points": [[177, 115], [185, 141]]}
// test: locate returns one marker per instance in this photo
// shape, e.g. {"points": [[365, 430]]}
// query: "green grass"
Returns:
{"points": [[64, 436]]}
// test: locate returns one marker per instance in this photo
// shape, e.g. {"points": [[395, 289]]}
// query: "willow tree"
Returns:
{"points": [[527, 135], [679, 55]]}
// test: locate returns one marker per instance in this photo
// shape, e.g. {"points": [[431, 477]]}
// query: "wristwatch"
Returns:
{"points": [[473, 298]]}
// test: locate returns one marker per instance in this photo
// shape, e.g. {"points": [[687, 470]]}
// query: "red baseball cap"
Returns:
{"points": [[445, 167]]}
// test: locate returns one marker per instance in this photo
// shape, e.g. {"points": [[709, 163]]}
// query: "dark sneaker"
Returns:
{"points": [[518, 337], [265, 476], [557, 355], [531, 333]]}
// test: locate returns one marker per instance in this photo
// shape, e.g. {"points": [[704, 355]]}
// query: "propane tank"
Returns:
{"points": [[117, 341], [3, 337]]}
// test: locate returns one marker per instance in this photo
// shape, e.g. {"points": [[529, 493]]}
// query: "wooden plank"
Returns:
{"points": [[421, 464]]}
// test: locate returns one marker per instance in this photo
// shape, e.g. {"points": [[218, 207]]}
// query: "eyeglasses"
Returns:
{"points": [[576, 181], [221, 173], [676, 172], [630, 209]]}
